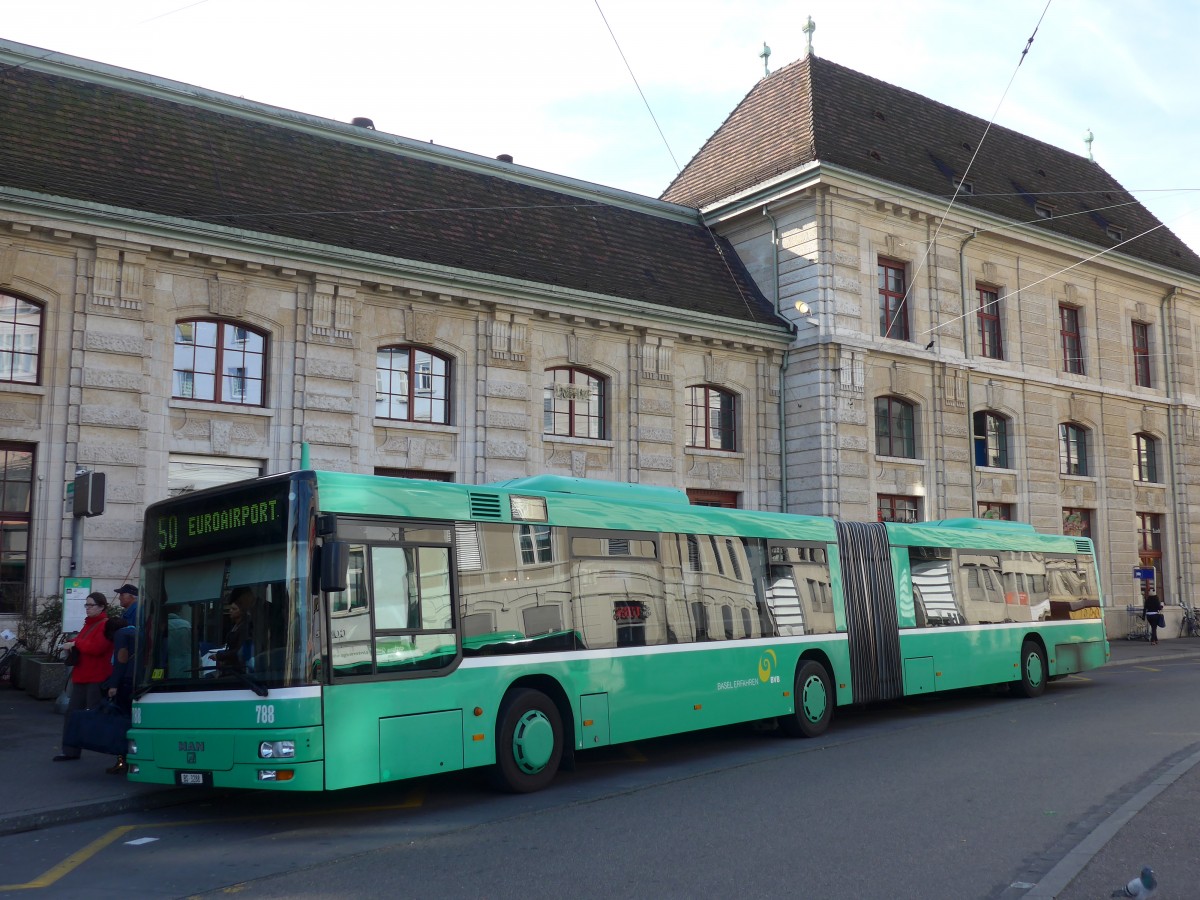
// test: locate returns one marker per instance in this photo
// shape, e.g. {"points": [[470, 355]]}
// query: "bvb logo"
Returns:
{"points": [[766, 665]]}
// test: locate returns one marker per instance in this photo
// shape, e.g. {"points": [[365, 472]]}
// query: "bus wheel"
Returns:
{"points": [[529, 743], [814, 702], [1034, 675]]}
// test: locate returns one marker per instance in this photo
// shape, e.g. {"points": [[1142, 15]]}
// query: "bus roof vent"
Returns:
{"points": [[485, 506], [1084, 547]]}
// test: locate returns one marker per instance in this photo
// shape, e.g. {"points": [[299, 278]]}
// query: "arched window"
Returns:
{"points": [[991, 440], [895, 428], [218, 361], [573, 403], [712, 422], [412, 384], [1145, 457], [20, 339], [1072, 449]]}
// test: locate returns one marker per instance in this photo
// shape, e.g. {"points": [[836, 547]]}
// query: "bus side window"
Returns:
{"points": [[411, 588], [350, 626], [933, 587]]}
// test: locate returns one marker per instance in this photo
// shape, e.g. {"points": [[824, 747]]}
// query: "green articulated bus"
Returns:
{"points": [[317, 630]]}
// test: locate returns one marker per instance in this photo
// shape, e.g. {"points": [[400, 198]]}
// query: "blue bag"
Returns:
{"points": [[101, 730]]}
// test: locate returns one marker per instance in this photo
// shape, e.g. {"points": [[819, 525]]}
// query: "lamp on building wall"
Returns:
{"points": [[806, 312]]}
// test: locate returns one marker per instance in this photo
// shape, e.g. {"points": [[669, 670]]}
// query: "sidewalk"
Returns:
{"points": [[1155, 827], [39, 793]]}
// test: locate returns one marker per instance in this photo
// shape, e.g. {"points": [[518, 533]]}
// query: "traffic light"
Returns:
{"points": [[89, 494]]}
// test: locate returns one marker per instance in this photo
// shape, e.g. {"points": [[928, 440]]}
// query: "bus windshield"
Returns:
{"points": [[225, 590]]}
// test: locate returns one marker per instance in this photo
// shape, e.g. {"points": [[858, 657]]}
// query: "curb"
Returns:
{"points": [[1068, 868], [82, 812], [1161, 657]]}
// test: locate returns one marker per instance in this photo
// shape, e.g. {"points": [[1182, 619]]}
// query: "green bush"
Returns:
{"points": [[41, 629]]}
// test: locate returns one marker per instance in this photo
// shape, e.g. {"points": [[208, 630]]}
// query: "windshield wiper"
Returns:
{"points": [[258, 687]]}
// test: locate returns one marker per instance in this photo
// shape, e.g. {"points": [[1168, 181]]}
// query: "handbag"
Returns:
{"points": [[72, 658], [101, 730]]}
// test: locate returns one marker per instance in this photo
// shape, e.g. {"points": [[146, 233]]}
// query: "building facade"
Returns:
{"points": [[196, 287], [854, 301], [990, 326]]}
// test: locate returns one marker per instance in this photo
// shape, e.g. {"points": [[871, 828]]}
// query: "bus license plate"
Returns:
{"points": [[199, 779]]}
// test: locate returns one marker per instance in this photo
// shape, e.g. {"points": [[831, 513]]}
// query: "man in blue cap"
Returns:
{"points": [[127, 596]]}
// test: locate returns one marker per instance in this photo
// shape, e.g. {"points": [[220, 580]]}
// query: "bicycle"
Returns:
{"points": [[1189, 625], [7, 655]]}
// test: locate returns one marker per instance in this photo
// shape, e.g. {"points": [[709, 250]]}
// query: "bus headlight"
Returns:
{"points": [[131, 750], [275, 774], [277, 749]]}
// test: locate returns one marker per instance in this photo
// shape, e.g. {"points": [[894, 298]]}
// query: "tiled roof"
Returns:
{"points": [[817, 111], [94, 140]]}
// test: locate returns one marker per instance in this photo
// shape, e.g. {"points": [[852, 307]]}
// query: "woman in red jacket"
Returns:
{"points": [[94, 665]]}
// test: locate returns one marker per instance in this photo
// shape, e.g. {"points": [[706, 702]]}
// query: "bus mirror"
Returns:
{"points": [[335, 564]]}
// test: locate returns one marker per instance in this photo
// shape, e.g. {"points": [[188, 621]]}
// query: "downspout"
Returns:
{"points": [[783, 367], [1167, 300], [966, 338]]}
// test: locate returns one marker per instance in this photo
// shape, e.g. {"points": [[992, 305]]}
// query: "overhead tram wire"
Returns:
{"points": [[934, 331], [629, 68], [171, 12], [958, 187], [1039, 220], [712, 236], [1073, 265]]}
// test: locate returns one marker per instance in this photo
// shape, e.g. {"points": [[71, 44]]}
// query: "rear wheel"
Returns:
{"points": [[814, 702], [1034, 672], [529, 742]]}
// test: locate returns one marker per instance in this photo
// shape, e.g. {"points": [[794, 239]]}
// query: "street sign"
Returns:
{"points": [[75, 591], [1145, 573]]}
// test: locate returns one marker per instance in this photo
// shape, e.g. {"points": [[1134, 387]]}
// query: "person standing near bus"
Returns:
{"points": [[127, 596], [118, 687], [92, 667], [1152, 612]]}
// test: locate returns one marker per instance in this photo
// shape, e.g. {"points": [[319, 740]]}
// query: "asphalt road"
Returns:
{"points": [[948, 797]]}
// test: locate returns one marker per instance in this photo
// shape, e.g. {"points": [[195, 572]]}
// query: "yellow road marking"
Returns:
{"points": [[72, 862]]}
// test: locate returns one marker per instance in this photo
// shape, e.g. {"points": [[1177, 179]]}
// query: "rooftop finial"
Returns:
{"points": [[1087, 139], [809, 28], [766, 57]]}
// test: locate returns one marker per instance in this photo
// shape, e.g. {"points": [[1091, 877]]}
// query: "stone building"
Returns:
{"points": [[948, 319], [194, 286], [991, 326]]}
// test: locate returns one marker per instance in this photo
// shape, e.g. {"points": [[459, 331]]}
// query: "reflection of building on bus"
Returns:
{"points": [[597, 589], [988, 587], [531, 587]]}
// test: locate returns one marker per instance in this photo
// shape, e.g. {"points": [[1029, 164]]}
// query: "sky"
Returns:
{"points": [[549, 81]]}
